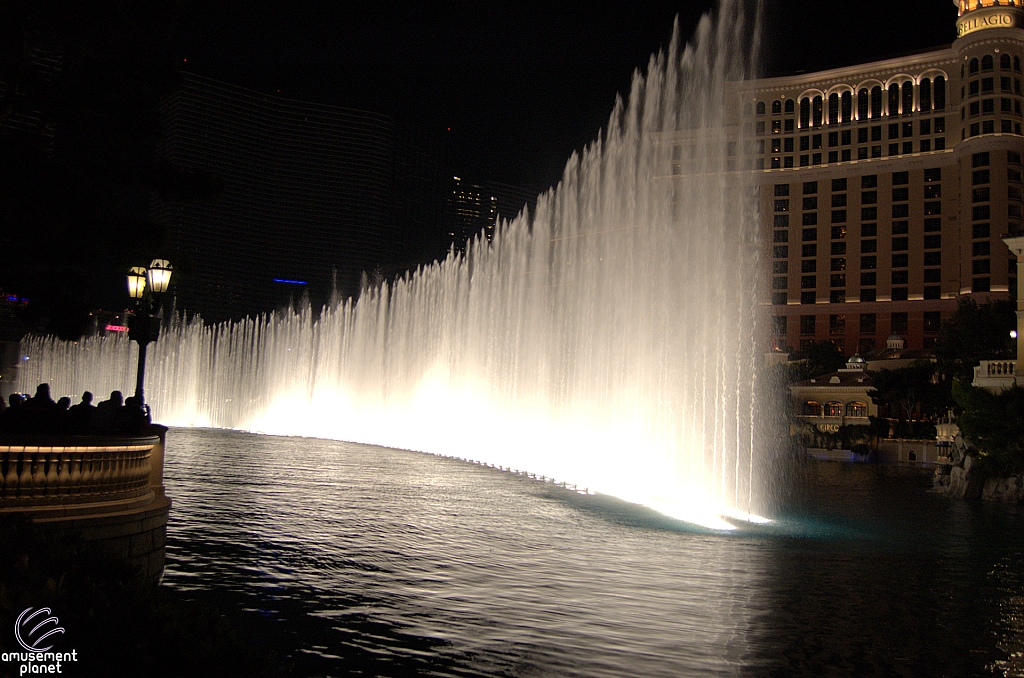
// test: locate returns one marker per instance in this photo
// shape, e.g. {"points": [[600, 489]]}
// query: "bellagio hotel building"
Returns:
{"points": [[886, 188]]}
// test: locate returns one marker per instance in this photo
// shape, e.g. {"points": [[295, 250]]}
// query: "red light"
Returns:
{"points": [[116, 328]]}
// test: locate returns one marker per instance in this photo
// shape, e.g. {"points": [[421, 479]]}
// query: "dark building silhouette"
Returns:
{"points": [[473, 208], [310, 196]]}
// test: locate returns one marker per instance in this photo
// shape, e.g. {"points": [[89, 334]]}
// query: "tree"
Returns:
{"points": [[817, 358], [995, 424], [974, 333], [910, 390]]}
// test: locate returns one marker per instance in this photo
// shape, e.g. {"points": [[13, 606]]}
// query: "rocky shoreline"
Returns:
{"points": [[964, 478]]}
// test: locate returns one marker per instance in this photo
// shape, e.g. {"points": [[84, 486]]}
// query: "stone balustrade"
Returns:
{"points": [[996, 375], [52, 471], [999, 368]]}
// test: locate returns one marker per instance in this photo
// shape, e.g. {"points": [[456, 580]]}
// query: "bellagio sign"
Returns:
{"points": [[975, 22]]}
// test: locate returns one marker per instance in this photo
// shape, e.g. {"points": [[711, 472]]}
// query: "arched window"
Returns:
{"points": [[833, 409], [876, 102], [1004, 62], [939, 95], [790, 105], [760, 108], [747, 109], [1016, 63], [776, 107], [973, 66], [816, 111], [833, 108], [894, 99], [856, 409], [908, 97], [926, 94], [987, 62], [847, 106], [812, 408], [862, 104], [805, 112]]}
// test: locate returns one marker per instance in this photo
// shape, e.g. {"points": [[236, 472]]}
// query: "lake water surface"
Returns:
{"points": [[345, 559]]}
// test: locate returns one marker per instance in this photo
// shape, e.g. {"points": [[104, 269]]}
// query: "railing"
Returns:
{"points": [[997, 368], [40, 471]]}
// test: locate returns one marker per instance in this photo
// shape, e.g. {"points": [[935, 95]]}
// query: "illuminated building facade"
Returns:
{"points": [[886, 188]]}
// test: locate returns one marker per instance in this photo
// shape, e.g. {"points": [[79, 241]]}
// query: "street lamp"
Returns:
{"points": [[144, 326]]}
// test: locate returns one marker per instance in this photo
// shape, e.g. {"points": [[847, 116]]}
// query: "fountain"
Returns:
{"points": [[608, 341]]}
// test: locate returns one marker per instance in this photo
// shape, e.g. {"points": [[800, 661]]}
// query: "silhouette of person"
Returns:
{"points": [[80, 415], [103, 419], [10, 419], [39, 413]]}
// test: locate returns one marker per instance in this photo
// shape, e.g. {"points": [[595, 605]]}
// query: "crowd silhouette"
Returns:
{"points": [[41, 414]]}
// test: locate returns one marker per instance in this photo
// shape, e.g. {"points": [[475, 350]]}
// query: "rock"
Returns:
{"points": [[1010, 490]]}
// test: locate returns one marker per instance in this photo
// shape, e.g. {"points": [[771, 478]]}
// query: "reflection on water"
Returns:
{"points": [[347, 558]]}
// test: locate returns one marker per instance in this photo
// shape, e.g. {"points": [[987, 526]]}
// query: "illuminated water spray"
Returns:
{"points": [[608, 340]]}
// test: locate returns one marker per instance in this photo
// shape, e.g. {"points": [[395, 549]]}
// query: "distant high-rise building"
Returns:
{"points": [[475, 208], [311, 196], [886, 188]]}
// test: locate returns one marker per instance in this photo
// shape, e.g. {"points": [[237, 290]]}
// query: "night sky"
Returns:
{"points": [[520, 87]]}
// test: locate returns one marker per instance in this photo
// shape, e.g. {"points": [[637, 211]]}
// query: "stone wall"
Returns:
{"points": [[963, 478]]}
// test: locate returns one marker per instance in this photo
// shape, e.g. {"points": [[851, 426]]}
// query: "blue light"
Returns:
{"points": [[290, 282]]}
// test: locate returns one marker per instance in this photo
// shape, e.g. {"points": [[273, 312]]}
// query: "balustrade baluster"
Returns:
{"points": [[75, 482]]}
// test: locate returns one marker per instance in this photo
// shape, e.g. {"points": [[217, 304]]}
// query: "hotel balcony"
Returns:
{"points": [[996, 375]]}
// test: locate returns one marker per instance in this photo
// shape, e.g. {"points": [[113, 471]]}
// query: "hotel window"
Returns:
{"points": [[926, 127], [925, 96], [845, 155], [833, 109], [807, 298], [933, 292], [876, 151], [868, 263], [760, 146], [939, 93], [810, 219], [779, 323], [908, 129], [811, 203], [932, 225], [839, 185], [859, 410], [868, 246], [782, 205], [788, 125], [816, 158], [838, 264], [805, 143], [809, 251], [760, 126], [1005, 84], [900, 211], [981, 231], [981, 285], [839, 279], [776, 145], [833, 139], [975, 109], [805, 113], [868, 294], [780, 252], [868, 230], [810, 187], [988, 85], [837, 323], [980, 159], [847, 106], [894, 99], [869, 181], [816, 111], [781, 221], [900, 261], [900, 277], [932, 321], [1006, 127], [790, 106], [931, 191], [838, 232], [933, 275], [787, 145], [899, 294], [833, 156], [810, 407], [932, 242], [1013, 175], [980, 194], [862, 104], [869, 213], [780, 267], [876, 102], [776, 107], [908, 146], [760, 108], [933, 258], [973, 87], [933, 208], [815, 141], [807, 324], [1004, 62], [940, 144], [780, 283], [900, 227], [809, 235], [932, 175], [868, 323], [988, 105], [894, 130], [776, 126], [981, 267], [781, 236], [900, 179], [838, 249], [973, 67], [1013, 157], [838, 216], [899, 194], [980, 177], [940, 125], [809, 266], [833, 409], [900, 244], [1016, 63], [847, 137], [839, 200]]}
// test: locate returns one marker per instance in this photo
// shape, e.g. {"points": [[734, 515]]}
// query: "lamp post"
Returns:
{"points": [[144, 326]]}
